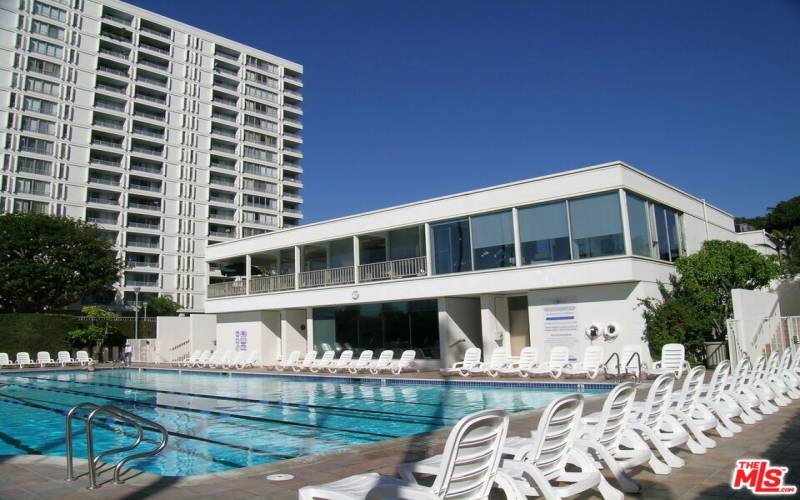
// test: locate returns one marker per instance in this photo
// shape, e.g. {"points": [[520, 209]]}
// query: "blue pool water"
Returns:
{"points": [[219, 422]]}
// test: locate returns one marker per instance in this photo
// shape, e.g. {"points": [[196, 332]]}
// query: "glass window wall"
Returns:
{"points": [[391, 325], [544, 233], [639, 222], [596, 223], [493, 240], [452, 247]]}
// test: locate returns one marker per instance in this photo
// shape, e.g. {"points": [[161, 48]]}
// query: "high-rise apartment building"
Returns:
{"points": [[168, 137]]}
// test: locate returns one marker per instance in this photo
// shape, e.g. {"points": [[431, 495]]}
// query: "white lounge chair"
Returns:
{"points": [[559, 359], [289, 362], [721, 404], [24, 359], [324, 362], [535, 464], [740, 390], [43, 359], [219, 359], [673, 360], [83, 358], [384, 362], [689, 411], [306, 363], [472, 357], [766, 376], [789, 376], [213, 360], [606, 435], [192, 359], [648, 424], [590, 366], [780, 378], [234, 358], [405, 362], [362, 363], [493, 367], [4, 361], [469, 468], [343, 363], [251, 360], [528, 360]]}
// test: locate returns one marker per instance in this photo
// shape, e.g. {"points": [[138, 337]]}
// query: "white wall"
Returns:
{"points": [[459, 327], [294, 330], [256, 332], [750, 308], [177, 336], [495, 324], [602, 304]]}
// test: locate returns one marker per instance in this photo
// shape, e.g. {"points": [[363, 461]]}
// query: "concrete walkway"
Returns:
{"points": [[705, 476]]}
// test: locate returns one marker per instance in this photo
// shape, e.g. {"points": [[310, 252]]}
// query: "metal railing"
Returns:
{"points": [[119, 415], [267, 284], [109, 124], [147, 46], [150, 116], [327, 277], [605, 365], [102, 220], [144, 206], [101, 161], [145, 187], [221, 116], [143, 167], [142, 225], [103, 201], [154, 65], [113, 71], [226, 56], [104, 180], [109, 144], [638, 375], [115, 37], [393, 269], [111, 88], [147, 132], [155, 32], [151, 81], [754, 336], [109, 105], [226, 289], [146, 150], [158, 100], [142, 243], [114, 53]]}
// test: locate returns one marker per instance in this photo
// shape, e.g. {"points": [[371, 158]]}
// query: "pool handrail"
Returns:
{"points": [[139, 423]]}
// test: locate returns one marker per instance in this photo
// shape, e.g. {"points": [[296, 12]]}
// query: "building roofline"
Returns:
{"points": [[189, 28], [599, 166]]}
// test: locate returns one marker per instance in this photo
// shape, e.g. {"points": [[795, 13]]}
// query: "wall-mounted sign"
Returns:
{"points": [[561, 326], [240, 340]]}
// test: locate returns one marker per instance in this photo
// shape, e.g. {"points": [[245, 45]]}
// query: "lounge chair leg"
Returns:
{"points": [[670, 458], [608, 491], [702, 439], [695, 447], [658, 467]]}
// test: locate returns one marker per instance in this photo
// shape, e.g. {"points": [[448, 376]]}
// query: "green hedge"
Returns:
{"points": [[30, 332]]}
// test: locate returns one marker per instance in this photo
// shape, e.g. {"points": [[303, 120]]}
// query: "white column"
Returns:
{"points": [[517, 244], [309, 328], [296, 267], [248, 261], [626, 228], [428, 250], [356, 260]]}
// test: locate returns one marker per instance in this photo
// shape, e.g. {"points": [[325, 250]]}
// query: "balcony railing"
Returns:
{"points": [[146, 187], [221, 116], [268, 284], [327, 277], [151, 81], [154, 65], [145, 29], [113, 71], [226, 56], [142, 243], [143, 167], [140, 283], [104, 180], [150, 116], [110, 105], [148, 132], [144, 206], [110, 144], [393, 269], [132, 264], [227, 289], [114, 53], [104, 201], [102, 220], [225, 71], [102, 161], [109, 124], [157, 100], [147, 46], [146, 150], [143, 225]]}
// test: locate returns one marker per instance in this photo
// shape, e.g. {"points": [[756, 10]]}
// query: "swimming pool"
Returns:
{"points": [[219, 422]]}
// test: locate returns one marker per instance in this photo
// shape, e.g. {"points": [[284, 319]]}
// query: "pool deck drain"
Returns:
{"points": [[705, 476]]}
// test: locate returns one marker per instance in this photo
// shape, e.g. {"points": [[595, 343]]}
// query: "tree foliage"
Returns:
{"points": [[162, 306], [709, 275], [694, 306], [49, 262], [675, 318], [98, 330], [782, 223]]}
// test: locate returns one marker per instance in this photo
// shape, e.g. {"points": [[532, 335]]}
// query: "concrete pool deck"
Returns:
{"points": [[705, 476]]}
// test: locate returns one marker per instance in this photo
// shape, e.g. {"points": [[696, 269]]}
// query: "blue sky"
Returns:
{"points": [[406, 100]]}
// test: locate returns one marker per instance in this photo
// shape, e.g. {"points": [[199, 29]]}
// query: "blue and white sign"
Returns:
{"points": [[561, 326], [240, 340]]}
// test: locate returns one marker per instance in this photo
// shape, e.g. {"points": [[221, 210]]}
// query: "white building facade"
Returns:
{"points": [[167, 137], [535, 262]]}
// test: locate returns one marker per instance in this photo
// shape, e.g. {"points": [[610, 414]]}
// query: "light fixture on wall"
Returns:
{"points": [[611, 331], [593, 331], [354, 295]]}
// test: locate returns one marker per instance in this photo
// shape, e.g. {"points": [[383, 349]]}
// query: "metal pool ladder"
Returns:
{"points": [[137, 422]]}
